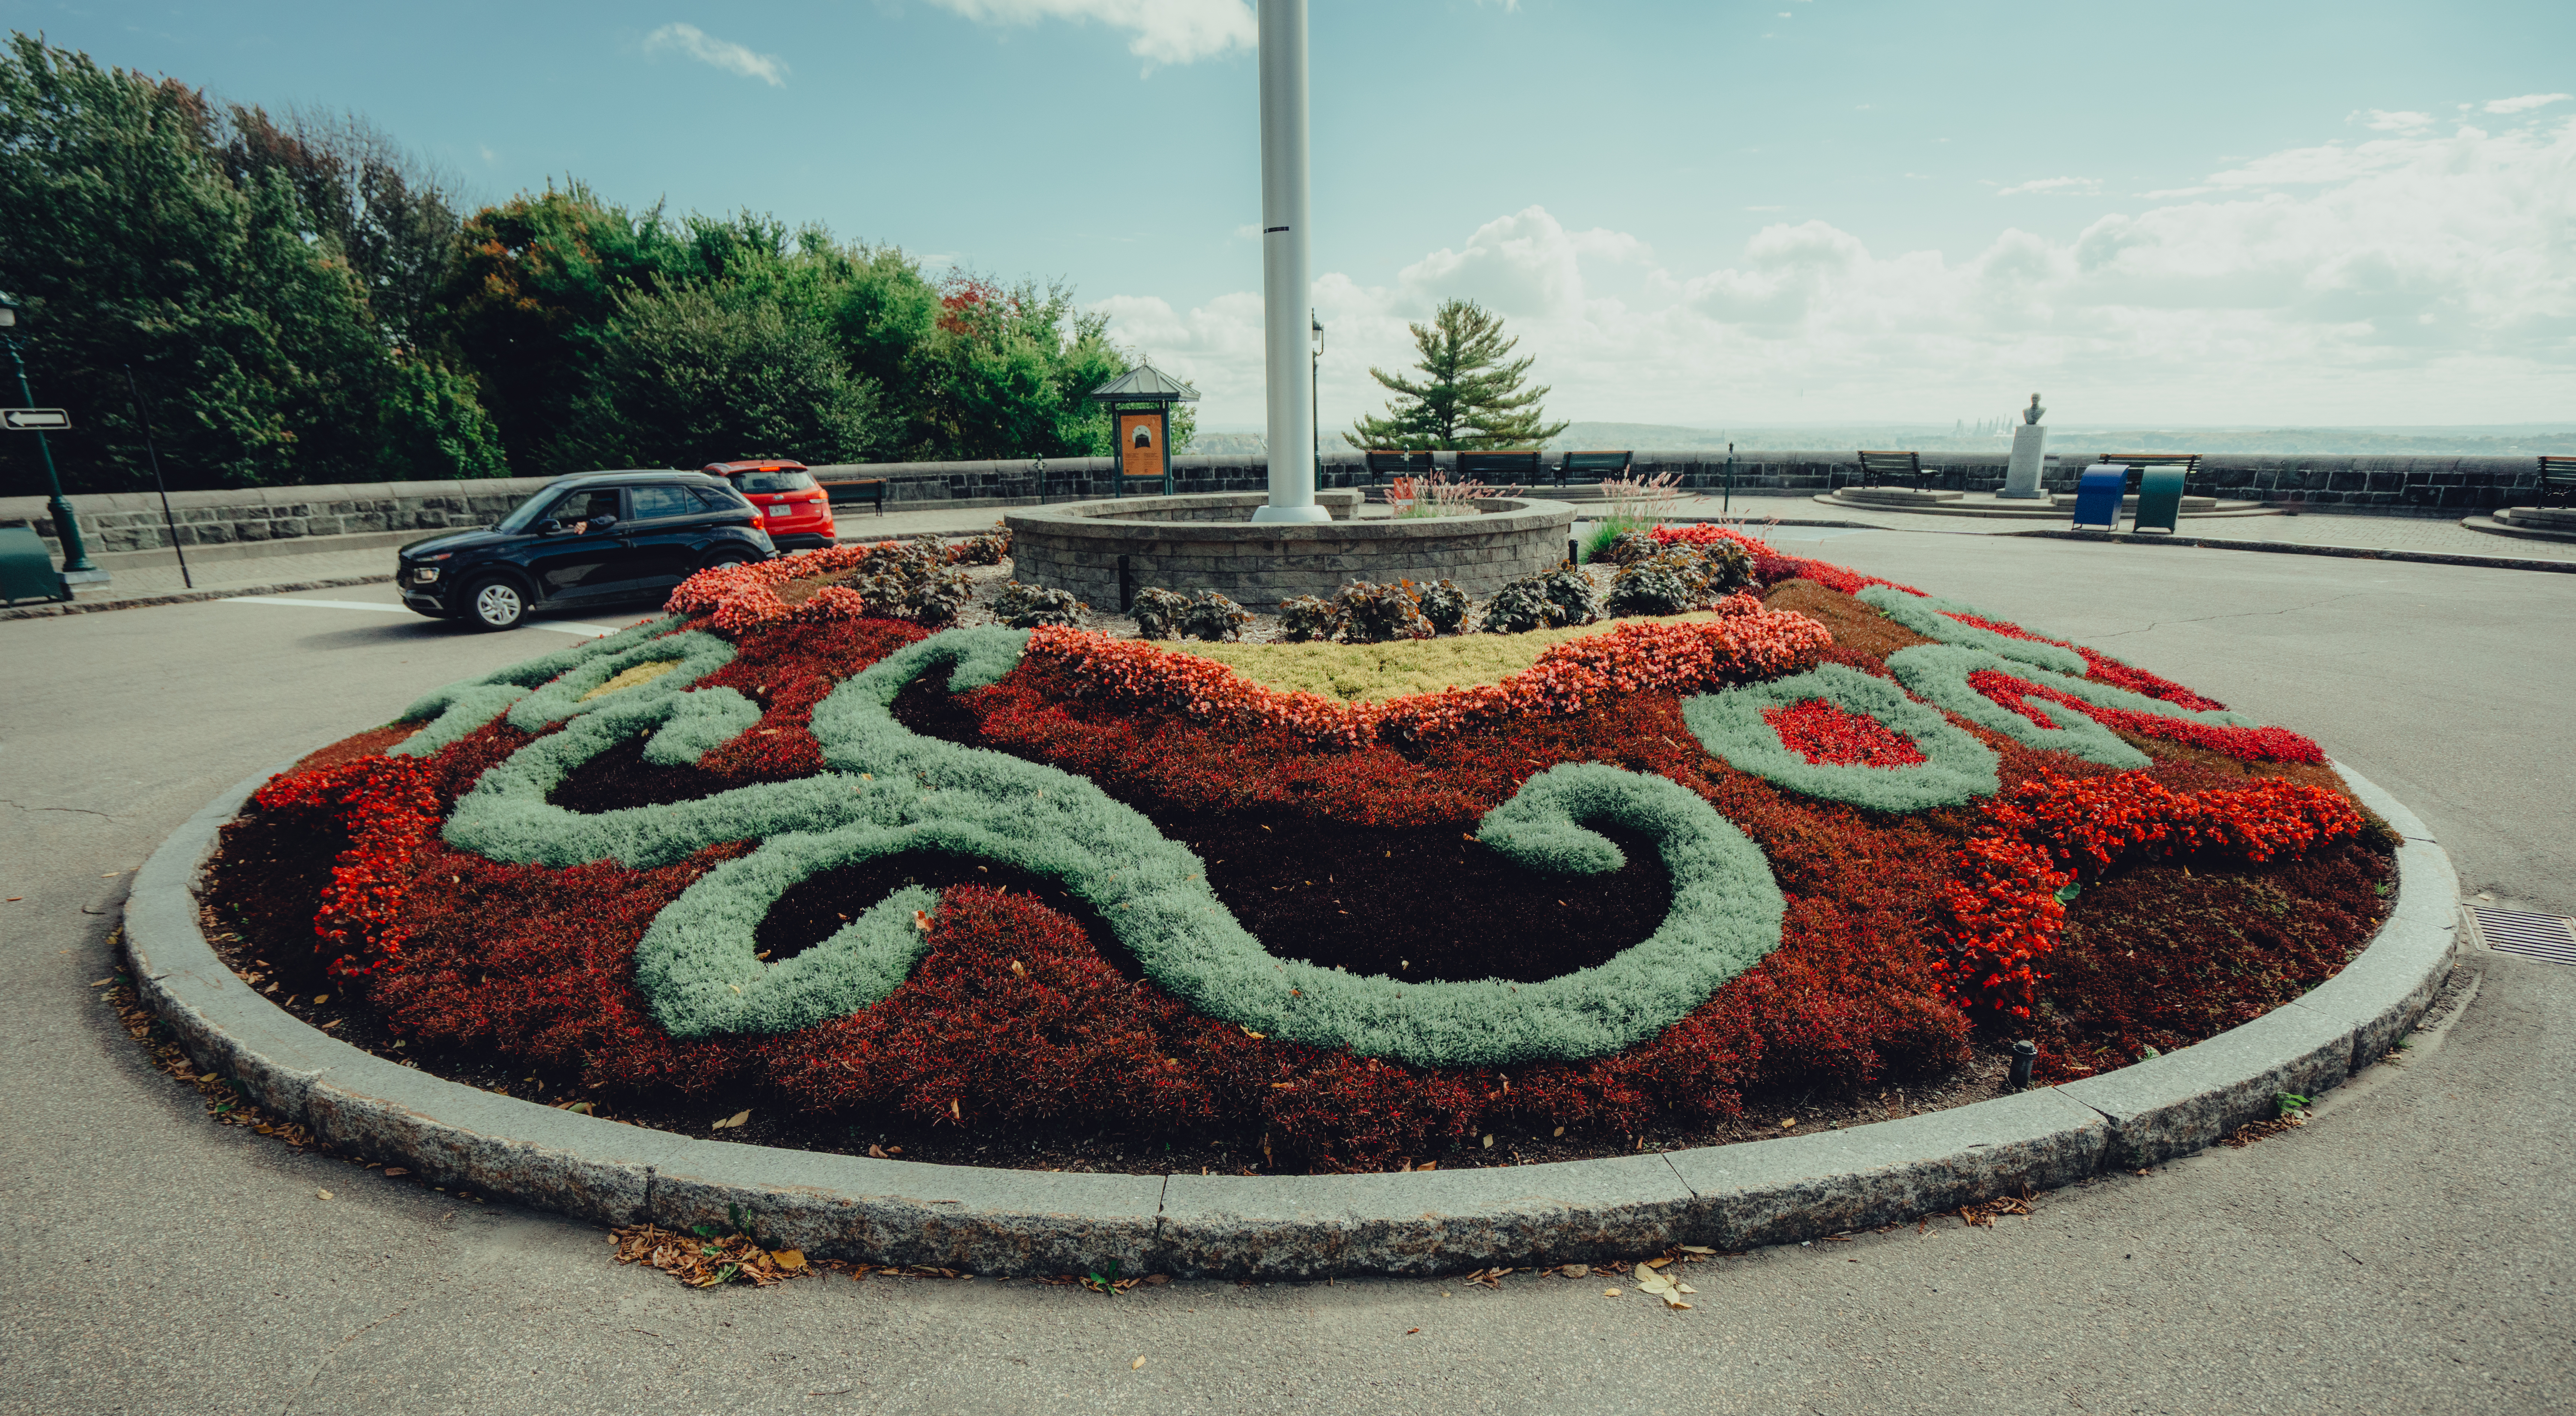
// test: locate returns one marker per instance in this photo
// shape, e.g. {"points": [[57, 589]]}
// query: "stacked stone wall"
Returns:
{"points": [[1104, 555]]}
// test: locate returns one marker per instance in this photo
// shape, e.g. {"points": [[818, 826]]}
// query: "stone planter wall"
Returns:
{"points": [[1106, 551], [131, 521]]}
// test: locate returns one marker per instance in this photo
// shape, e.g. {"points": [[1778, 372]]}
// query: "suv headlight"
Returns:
{"points": [[423, 574]]}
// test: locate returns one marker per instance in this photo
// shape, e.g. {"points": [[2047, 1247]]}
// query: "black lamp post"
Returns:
{"points": [[76, 563], [1315, 396]]}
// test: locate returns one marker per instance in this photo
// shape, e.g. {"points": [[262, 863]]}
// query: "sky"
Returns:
{"points": [[2264, 212]]}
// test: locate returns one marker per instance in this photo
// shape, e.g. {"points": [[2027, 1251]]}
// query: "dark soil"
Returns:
{"points": [[821, 903], [620, 777]]}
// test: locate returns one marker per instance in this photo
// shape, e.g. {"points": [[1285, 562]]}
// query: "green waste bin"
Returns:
{"points": [[27, 569], [2159, 499]]}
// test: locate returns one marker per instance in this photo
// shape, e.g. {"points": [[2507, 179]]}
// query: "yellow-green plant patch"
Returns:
{"points": [[1373, 673]]}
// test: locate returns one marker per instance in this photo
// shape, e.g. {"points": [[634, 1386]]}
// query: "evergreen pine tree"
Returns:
{"points": [[1469, 396]]}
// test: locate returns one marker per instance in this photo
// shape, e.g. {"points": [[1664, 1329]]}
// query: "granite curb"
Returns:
{"points": [[186, 597], [1011, 1222], [2294, 548]]}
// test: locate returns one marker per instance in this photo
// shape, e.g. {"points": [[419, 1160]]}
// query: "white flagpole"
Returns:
{"points": [[1287, 264]]}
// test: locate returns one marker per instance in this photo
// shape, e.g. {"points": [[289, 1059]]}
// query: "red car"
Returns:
{"points": [[793, 507]]}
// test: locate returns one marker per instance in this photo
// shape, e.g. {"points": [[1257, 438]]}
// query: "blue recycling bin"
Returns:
{"points": [[2159, 499], [2097, 497]]}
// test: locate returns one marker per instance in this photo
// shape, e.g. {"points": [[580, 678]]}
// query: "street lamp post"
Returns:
{"points": [[1315, 398], [77, 568]]}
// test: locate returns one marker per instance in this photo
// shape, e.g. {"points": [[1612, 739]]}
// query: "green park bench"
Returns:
{"points": [[2558, 481], [1877, 467], [870, 491], [1515, 468], [1594, 466], [1386, 462]]}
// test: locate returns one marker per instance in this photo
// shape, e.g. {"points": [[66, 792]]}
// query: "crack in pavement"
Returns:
{"points": [[335, 1351], [2241, 614], [82, 810]]}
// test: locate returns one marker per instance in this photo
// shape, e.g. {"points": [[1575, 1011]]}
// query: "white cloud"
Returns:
{"points": [[2527, 102], [2057, 186], [2381, 120], [724, 54], [1166, 31], [2421, 279]]}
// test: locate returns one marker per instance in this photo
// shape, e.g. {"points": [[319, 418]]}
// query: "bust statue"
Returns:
{"points": [[2033, 412]]}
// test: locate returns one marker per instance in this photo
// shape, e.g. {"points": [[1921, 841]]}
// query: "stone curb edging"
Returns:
{"points": [[2295, 548], [1012, 1222], [185, 597]]}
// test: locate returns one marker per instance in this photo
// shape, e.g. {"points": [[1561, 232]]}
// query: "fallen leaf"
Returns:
{"points": [[732, 1121], [1489, 1140], [1020, 969], [1136, 1366], [1609, 1292], [321, 1194], [394, 1170], [792, 1260], [579, 1107], [321, 998], [876, 1150], [921, 921], [1408, 1332], [1576, 1270], [1696, 1249], [102, 983], [1560, 1130], [1788, 1124]]}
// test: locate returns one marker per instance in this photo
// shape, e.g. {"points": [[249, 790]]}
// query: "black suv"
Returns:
{"points": [[592, 539]]}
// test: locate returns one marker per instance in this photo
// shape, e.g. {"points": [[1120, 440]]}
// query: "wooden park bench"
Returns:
{"points": [[2558, 479], [1594, 466], [1383, 462], [1516, 468], [1893, 466], [854, 492], [2137, 462]]}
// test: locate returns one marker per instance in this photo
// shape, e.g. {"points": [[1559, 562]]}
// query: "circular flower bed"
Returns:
{"points": [[1049, 897]]}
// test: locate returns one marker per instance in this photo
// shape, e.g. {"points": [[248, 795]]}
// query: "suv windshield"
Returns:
{"points": [[783, 480]]}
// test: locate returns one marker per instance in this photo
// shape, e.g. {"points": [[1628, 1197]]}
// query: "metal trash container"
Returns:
{"points": [[2159, 499], [27, 568], [2097, 497]]}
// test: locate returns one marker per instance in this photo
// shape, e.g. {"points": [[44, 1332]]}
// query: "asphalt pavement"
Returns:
{"points": [[2412, 1249]]}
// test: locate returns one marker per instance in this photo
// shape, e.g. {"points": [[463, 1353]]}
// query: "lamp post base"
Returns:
{"points": [[1307, 513], [92, 576]]}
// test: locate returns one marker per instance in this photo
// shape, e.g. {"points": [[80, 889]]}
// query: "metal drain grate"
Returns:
{"points": [[2534, 936]]}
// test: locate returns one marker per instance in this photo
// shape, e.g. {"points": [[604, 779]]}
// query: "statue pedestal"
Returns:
{"points": [[2021, 475]]}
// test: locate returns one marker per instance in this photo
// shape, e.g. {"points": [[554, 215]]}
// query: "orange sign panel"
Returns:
{"points": [[1140, 444]]}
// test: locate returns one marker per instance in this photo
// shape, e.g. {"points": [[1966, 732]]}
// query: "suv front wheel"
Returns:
{"points": [[495, 604]]}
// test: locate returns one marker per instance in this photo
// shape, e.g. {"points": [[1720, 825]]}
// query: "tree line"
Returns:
{"points": [[303, 301]]}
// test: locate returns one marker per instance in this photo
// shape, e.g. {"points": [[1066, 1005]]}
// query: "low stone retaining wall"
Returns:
{"points": [[2402, 485], [1106, 551], [131, 521]]}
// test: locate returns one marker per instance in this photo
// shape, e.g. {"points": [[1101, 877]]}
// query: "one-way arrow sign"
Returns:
{"points": [[34, 420]]}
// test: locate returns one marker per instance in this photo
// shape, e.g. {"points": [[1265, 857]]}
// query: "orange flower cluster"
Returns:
{"points": [[389, 808], [740, 597], [1749, 643], [2004, 910]]}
